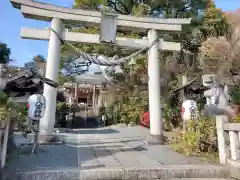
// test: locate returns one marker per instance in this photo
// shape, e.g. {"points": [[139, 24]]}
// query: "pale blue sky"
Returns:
{"points": [[23, 50]]}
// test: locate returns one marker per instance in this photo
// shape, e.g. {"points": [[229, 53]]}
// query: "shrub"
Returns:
{"points": [[101, 110], [108, 111], [199, 140], [3, 99], [62, 106], [5, 103], [116, 112], [22, 111], [131, 110], [113, 113], [61, 112], [145, 119], [236, 119], [168, 116], [234, 92]]}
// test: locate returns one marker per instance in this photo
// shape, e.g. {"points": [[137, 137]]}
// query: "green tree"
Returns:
{"points": [[214, 21], [63, 79], [206, 18], [39, 58], [120, 6], [4, 53], [37, 62]]}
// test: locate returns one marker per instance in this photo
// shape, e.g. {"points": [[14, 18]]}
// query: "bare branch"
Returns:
{"points": [[222, 53]]}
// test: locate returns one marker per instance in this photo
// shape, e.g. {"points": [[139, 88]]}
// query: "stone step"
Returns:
{"points": [[119, 173]]}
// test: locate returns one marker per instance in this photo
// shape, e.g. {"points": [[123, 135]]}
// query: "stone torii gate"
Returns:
{"points": [[59, 16]]}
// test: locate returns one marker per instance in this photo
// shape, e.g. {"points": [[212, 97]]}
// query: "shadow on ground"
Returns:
{"points": [[94, 131], [68, 156], [88, 122], [122, 146]]}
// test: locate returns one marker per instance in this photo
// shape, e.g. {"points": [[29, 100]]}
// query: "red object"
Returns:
{"points": [[28, 106], [182, 110], [145, 121]]}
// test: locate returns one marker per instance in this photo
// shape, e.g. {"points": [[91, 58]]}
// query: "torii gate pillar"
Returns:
{"points": [[156, 124], [52, 72]]}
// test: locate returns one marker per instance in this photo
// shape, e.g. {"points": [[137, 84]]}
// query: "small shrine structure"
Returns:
{"points": [[92, 90]]}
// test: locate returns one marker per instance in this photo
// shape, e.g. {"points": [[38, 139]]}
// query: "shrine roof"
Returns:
{"points": [[193, 84], [97, 79], [22, 85]]}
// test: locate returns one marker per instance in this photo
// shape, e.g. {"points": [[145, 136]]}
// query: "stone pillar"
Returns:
{"points": [[52, 71], [94, 96], [234, 145], [182, 91], [222, 136], [76, 92], [100, 99], [156, 124]]}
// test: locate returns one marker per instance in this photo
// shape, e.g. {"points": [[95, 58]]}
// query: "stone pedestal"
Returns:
{"points": [[49, 139], [155, 140]]}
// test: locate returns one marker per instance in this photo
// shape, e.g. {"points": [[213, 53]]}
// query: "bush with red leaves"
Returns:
{"points": [[145, 120]]}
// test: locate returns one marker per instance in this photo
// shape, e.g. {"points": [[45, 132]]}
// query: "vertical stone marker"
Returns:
{"points": [[56, 15]]}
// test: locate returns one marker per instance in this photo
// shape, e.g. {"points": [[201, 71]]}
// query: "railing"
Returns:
{"points": [[228, 141], [21, 99], [4, 132]]}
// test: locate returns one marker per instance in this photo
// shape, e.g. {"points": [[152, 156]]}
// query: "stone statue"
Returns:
{"points": [[217, 98]]}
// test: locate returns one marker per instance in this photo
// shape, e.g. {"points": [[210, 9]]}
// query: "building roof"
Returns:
{"points": [[194, 84], [97, 79], [22, 85]]}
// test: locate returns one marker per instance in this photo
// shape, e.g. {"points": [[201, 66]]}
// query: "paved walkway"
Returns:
{"points": [[114, 148]]}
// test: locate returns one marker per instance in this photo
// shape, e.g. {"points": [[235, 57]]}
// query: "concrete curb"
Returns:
{"points": [[163, 172]]}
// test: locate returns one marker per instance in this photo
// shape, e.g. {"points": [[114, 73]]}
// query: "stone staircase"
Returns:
{"points": [[173, 172]]}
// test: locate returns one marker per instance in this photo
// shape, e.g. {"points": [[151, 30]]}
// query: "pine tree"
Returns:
{"points": [[4, 53], [214, 21]]}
